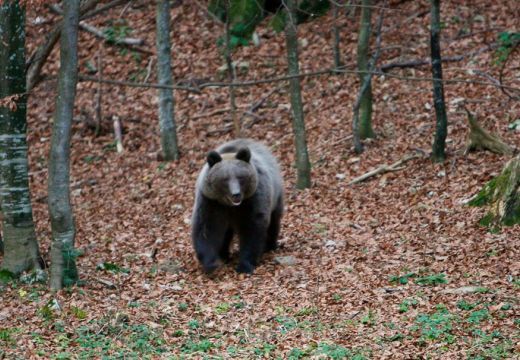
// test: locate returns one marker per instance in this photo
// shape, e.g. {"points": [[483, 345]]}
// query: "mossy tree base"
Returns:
{"points": [[502, 195], [480, 139]]}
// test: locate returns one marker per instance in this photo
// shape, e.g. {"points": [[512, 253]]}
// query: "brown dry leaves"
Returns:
{"points": [[347, 240]]}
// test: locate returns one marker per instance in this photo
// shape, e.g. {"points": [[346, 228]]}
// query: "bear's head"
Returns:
{"points": [[230, 177]]}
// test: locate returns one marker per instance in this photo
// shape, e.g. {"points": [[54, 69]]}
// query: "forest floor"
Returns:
{"points": [[395, 267]]}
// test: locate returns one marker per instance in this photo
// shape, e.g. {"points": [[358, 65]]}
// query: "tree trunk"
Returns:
{"points": [[439, 144], [336, 35], [63, 255], [303, 165], [479, 138], [365, 118], [502, 195], [231, 75], [20, 246], [166, 99]]}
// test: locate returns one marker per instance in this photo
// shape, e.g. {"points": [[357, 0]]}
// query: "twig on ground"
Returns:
{"points": [[100, 33], [385, 168], [118, 134]]}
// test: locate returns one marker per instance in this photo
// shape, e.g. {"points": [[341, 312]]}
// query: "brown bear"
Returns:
{"points": [[239, 191]]}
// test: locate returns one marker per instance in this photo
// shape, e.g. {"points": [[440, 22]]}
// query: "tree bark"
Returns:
{"points": [[20, 246], [167, 124], [231, 75], [303, 165], [365, 118], [441, 129], [63, 254], [336, 36], [479, 139], [502, 197]]}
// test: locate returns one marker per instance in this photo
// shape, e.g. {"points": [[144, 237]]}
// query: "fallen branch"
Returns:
{"points": [[417, 63], [480, 139], [40, 55], [100, 33], [107, 283], [385, 168]]}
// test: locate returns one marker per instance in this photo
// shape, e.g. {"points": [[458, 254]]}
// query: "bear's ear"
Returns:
{"points": [[244, 154], [213, 158]]}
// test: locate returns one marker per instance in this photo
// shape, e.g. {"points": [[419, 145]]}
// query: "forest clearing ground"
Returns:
{"points": [[393, 267]]}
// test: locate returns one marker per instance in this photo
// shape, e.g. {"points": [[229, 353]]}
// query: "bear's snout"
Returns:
{"points": [[235, 192]]}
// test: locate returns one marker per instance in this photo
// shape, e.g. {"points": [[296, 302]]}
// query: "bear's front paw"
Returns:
{"points": [[245, 267]]}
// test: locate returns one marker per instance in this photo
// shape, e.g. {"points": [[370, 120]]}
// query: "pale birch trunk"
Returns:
{"points": [[20, 245]]}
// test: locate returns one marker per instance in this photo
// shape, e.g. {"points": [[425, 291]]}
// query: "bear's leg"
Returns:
{"points": [[253, 235], [208, 233], [274, 226], [224, 250]]}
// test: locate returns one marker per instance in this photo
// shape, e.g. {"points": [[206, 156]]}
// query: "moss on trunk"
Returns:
{"points": [[502, 196]]}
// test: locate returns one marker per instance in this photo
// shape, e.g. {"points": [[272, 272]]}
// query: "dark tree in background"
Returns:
{"points": [[365, 108], [63, 254], [20, 245], [164, 75], [303, 165], [439, 144], [336, 35]]}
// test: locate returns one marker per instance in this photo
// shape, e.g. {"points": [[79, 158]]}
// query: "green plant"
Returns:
{"points": [[78, 313], [464, 305], [477, 316], [369, 318], [432, 280], [117, 30], [107, 266], [6, 276], [264, 350], [406, 304], [296, 354], [437, 326], [336, 352], [306, 311], [403, 279], [6, 335], [197, 346], [286, 324], [223, 308], [507, 42], [193, 324]]}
